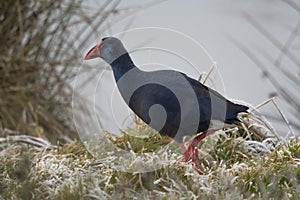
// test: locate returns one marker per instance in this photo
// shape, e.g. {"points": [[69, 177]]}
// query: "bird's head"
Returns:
{"points": [[109, 49]]}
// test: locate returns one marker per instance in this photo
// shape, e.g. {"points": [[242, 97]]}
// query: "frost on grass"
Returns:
{"points": [[235, 167]]}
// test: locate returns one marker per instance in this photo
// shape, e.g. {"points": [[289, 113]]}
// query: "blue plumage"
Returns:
{"points": [[167, 100], [152, 89]]}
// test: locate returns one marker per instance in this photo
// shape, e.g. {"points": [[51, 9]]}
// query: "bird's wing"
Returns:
{"points": [[203, 89], [222, 108]]}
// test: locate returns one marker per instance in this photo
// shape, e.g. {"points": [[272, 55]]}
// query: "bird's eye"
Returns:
{"points": [[104, 38]]}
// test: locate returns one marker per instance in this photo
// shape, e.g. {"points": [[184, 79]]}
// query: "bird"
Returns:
{"points": [[169, 101]]}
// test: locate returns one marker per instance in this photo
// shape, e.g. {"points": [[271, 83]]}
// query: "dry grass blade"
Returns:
{"points": [[38, 54], [291, 55], [287, 95], [293, 4], [39, 143], [286, 82]]}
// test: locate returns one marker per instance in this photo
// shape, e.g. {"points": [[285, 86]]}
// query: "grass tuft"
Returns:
{"points": [[234, 168]]}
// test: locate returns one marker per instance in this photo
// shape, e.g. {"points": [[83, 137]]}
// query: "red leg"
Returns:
{"points": [[191, 152]]}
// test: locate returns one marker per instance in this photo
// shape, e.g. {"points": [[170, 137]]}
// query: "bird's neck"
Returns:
{"points": [[122, 65]]}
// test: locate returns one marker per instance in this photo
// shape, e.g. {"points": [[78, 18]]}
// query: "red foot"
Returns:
{"points": [[191, 152]]}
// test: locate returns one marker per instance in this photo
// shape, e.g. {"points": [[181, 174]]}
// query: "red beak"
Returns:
{"points": [[93, 52]]}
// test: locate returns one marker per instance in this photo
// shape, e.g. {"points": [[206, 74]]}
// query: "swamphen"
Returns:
{"points": [[168, 101]]}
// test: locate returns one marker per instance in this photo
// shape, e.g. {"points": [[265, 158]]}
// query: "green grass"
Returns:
{"points": [[232, 171]]}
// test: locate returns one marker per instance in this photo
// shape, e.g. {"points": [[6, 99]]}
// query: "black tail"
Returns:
{"points": [[255, 134], [241, 108], [233, 110]]}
